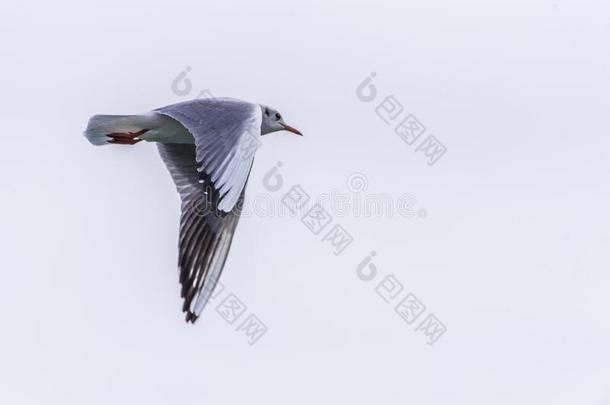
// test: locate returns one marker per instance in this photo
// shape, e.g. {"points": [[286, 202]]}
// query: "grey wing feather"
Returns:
{"points": [[225, 131], [205, 236]]}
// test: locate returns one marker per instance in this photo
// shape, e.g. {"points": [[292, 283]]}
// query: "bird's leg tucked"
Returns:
{"points": [[126, 138]]}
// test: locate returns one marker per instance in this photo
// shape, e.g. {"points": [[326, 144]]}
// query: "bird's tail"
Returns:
{"points": [[121, 129]]}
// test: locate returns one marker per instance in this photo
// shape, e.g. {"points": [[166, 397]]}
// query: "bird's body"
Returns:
{"points": [[208, 147]]}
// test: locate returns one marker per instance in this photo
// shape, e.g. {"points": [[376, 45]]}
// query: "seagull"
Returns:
{"points": [[208, 147]]}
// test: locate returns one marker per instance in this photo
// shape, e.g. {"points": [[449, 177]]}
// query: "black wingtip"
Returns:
{"points": [[191, 317]]}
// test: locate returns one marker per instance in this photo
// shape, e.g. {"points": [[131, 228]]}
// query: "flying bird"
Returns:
{"points": [[208, 147]]}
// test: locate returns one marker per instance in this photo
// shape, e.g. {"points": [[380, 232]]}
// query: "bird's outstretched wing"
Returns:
{"points": [[205, 236], [210, 176], [226, 133]]}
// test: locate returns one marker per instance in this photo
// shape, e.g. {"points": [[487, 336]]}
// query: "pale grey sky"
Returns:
{"points": [[508, 245]]}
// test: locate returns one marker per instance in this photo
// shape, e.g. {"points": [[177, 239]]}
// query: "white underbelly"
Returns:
{"points": [[167, 130]]}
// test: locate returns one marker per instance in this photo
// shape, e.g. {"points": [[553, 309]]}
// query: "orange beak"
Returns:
{"points": [[291, 129]]}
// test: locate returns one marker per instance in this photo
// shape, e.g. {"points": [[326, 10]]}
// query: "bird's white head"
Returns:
{"points": [[273, 122]]}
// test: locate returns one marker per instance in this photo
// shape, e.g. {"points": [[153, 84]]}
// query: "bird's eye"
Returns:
{"points": [[278, 116]]}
